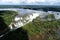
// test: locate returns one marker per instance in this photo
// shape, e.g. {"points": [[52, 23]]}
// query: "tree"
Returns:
{"points": [[50, 16]]}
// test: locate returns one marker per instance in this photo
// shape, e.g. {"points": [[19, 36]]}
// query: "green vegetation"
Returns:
{"points": [[43, 30], [7, 16], [51, 16], [36, 30]]}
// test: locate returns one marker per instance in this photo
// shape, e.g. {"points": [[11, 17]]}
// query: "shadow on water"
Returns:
{"points": [[3, 26], [19, 34]]}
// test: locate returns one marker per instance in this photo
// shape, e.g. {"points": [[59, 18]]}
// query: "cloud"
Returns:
{"points": [[9, 2], [52, 2], [29, 2], [41, 2]]}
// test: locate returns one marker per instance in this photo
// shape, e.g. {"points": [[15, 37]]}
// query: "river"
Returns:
{"points": [[22, 12]]}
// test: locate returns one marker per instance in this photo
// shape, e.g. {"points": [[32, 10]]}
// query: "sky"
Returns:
{"points": [[29, 2]]}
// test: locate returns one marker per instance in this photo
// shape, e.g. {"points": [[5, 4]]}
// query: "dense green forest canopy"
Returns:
{"points": [[34, 7], [8, 16], [45, 30]]}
